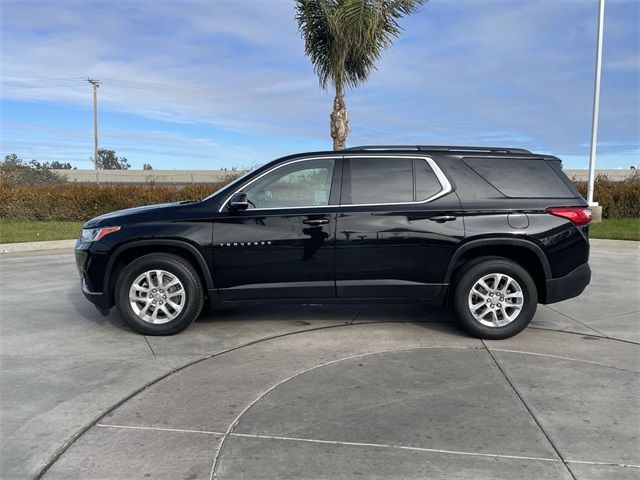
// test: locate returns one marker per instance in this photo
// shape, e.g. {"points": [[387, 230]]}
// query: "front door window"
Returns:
{"points": [[299, 184]]}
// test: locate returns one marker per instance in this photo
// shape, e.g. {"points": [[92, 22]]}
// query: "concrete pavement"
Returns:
{"points": [[318, 391]]}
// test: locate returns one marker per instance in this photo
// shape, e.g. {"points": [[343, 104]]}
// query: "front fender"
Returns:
{"points": [[181, 244]]}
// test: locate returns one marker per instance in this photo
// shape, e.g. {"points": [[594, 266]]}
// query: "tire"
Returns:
{"points": [[499, 312], [166, 285]]}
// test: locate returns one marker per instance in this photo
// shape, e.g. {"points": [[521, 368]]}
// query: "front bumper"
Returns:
{"points": [[97, 298], [569, 286]]}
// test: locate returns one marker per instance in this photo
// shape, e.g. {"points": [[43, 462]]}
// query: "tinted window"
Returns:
{"points": [[521, 178], [427, 184], [379, 180], [299, 184]]}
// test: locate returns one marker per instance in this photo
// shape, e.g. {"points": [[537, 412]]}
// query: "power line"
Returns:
{"points": [[41, 82], [189, 89]]}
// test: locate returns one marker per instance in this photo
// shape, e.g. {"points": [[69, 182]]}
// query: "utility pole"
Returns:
{"points": [[95, 84], [596, 114]]}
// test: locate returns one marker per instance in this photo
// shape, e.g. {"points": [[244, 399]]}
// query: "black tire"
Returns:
{"points": [[175, 265], [474, 271]]}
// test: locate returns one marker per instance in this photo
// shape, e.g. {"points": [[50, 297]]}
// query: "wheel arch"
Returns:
{"points": [[524, 252], [126, 253]]}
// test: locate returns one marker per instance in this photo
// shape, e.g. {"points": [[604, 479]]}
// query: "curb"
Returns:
{"points": [[35, 246], [615, 245]]}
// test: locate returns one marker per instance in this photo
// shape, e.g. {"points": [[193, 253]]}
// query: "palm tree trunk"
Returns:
{"points": [[339, 120]]}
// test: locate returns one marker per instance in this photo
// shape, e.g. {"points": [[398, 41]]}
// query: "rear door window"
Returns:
{"points": [[521, 178], [372, 181], [378, 180]]}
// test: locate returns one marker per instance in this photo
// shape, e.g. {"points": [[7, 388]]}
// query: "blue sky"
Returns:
{"points": [[225, 83]]}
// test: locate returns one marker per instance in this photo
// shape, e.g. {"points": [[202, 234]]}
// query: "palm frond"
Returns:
{"points": [[345, 38]]}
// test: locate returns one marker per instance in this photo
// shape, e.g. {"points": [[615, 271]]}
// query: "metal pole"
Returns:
{"points": [[95, 126], [95, 84], [596, 107]]}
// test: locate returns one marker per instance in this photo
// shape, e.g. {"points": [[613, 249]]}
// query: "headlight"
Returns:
{"points": [[95, 234]]}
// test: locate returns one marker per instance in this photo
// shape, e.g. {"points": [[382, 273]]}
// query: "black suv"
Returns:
{"points": [[488, 231]]}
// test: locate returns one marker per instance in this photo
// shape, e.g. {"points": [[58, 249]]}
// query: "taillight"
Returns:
{"points": [[577, 215]]}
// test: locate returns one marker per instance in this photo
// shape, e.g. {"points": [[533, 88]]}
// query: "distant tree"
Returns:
{"points": [[16, 171], [344, 39], [12, 159], [147, 166], [36, 165], [55, 165], [108, 160]]}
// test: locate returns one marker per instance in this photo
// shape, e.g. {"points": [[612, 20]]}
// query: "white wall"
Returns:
{"points": [[215, 176]]}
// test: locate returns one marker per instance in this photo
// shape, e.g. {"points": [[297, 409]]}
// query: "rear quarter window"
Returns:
{"points": [[427, 183], [521, 178]]}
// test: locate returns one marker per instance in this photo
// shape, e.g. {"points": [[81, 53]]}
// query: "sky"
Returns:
{"points": [[225, 83]]}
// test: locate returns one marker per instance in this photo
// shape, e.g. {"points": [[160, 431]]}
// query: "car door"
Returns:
{"points": [[397, 228], [282, 246]]}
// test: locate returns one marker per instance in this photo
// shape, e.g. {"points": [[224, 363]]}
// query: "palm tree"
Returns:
{"points": [[344, 39]]}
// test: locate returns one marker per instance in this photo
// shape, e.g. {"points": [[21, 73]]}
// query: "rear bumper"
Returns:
{"points": [[569, 286]]}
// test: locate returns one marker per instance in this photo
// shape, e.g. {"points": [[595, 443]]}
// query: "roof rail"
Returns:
{"points": [[439, 148], [385, 147], [436, 148]]}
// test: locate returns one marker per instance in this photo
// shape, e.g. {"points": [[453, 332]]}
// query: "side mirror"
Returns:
{"points": [[239, 202]]}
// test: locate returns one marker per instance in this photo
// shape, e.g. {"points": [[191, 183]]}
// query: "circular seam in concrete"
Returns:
{"points": [[235, 422], [563, 358], [63, 448], [601, 335]]}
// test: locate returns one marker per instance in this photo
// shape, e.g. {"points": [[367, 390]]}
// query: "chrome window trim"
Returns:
{"points": [[330, 157], [444, 182]]}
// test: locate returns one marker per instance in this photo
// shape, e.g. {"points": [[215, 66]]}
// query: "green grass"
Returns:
{"points": [[616, 229], [15, 230]]}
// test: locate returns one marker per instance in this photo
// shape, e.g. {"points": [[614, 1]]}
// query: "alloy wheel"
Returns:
{"points": [[496, 300], [157, 296]]}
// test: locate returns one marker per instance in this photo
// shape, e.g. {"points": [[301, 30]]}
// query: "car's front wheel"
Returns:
{"points": [[495, 298], [159, 294]]}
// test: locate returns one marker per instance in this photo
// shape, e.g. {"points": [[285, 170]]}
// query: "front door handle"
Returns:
{"points": [[442, 218], [316, 221]]}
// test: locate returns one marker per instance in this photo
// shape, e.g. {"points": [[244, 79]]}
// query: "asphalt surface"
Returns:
{"points": [[318, 392]]}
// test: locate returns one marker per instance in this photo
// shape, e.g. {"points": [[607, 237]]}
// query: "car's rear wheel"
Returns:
{"points": [[494, 298], [159, 294]]}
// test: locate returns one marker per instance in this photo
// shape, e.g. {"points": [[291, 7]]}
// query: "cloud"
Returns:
{"points": [[504, 71]]}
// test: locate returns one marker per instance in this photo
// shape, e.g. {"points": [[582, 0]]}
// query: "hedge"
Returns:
{"points": [[618, 199], [79, 202]]}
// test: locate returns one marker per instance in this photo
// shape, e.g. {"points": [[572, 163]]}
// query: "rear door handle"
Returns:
{"points": [[442, 218], [316, 221]]}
